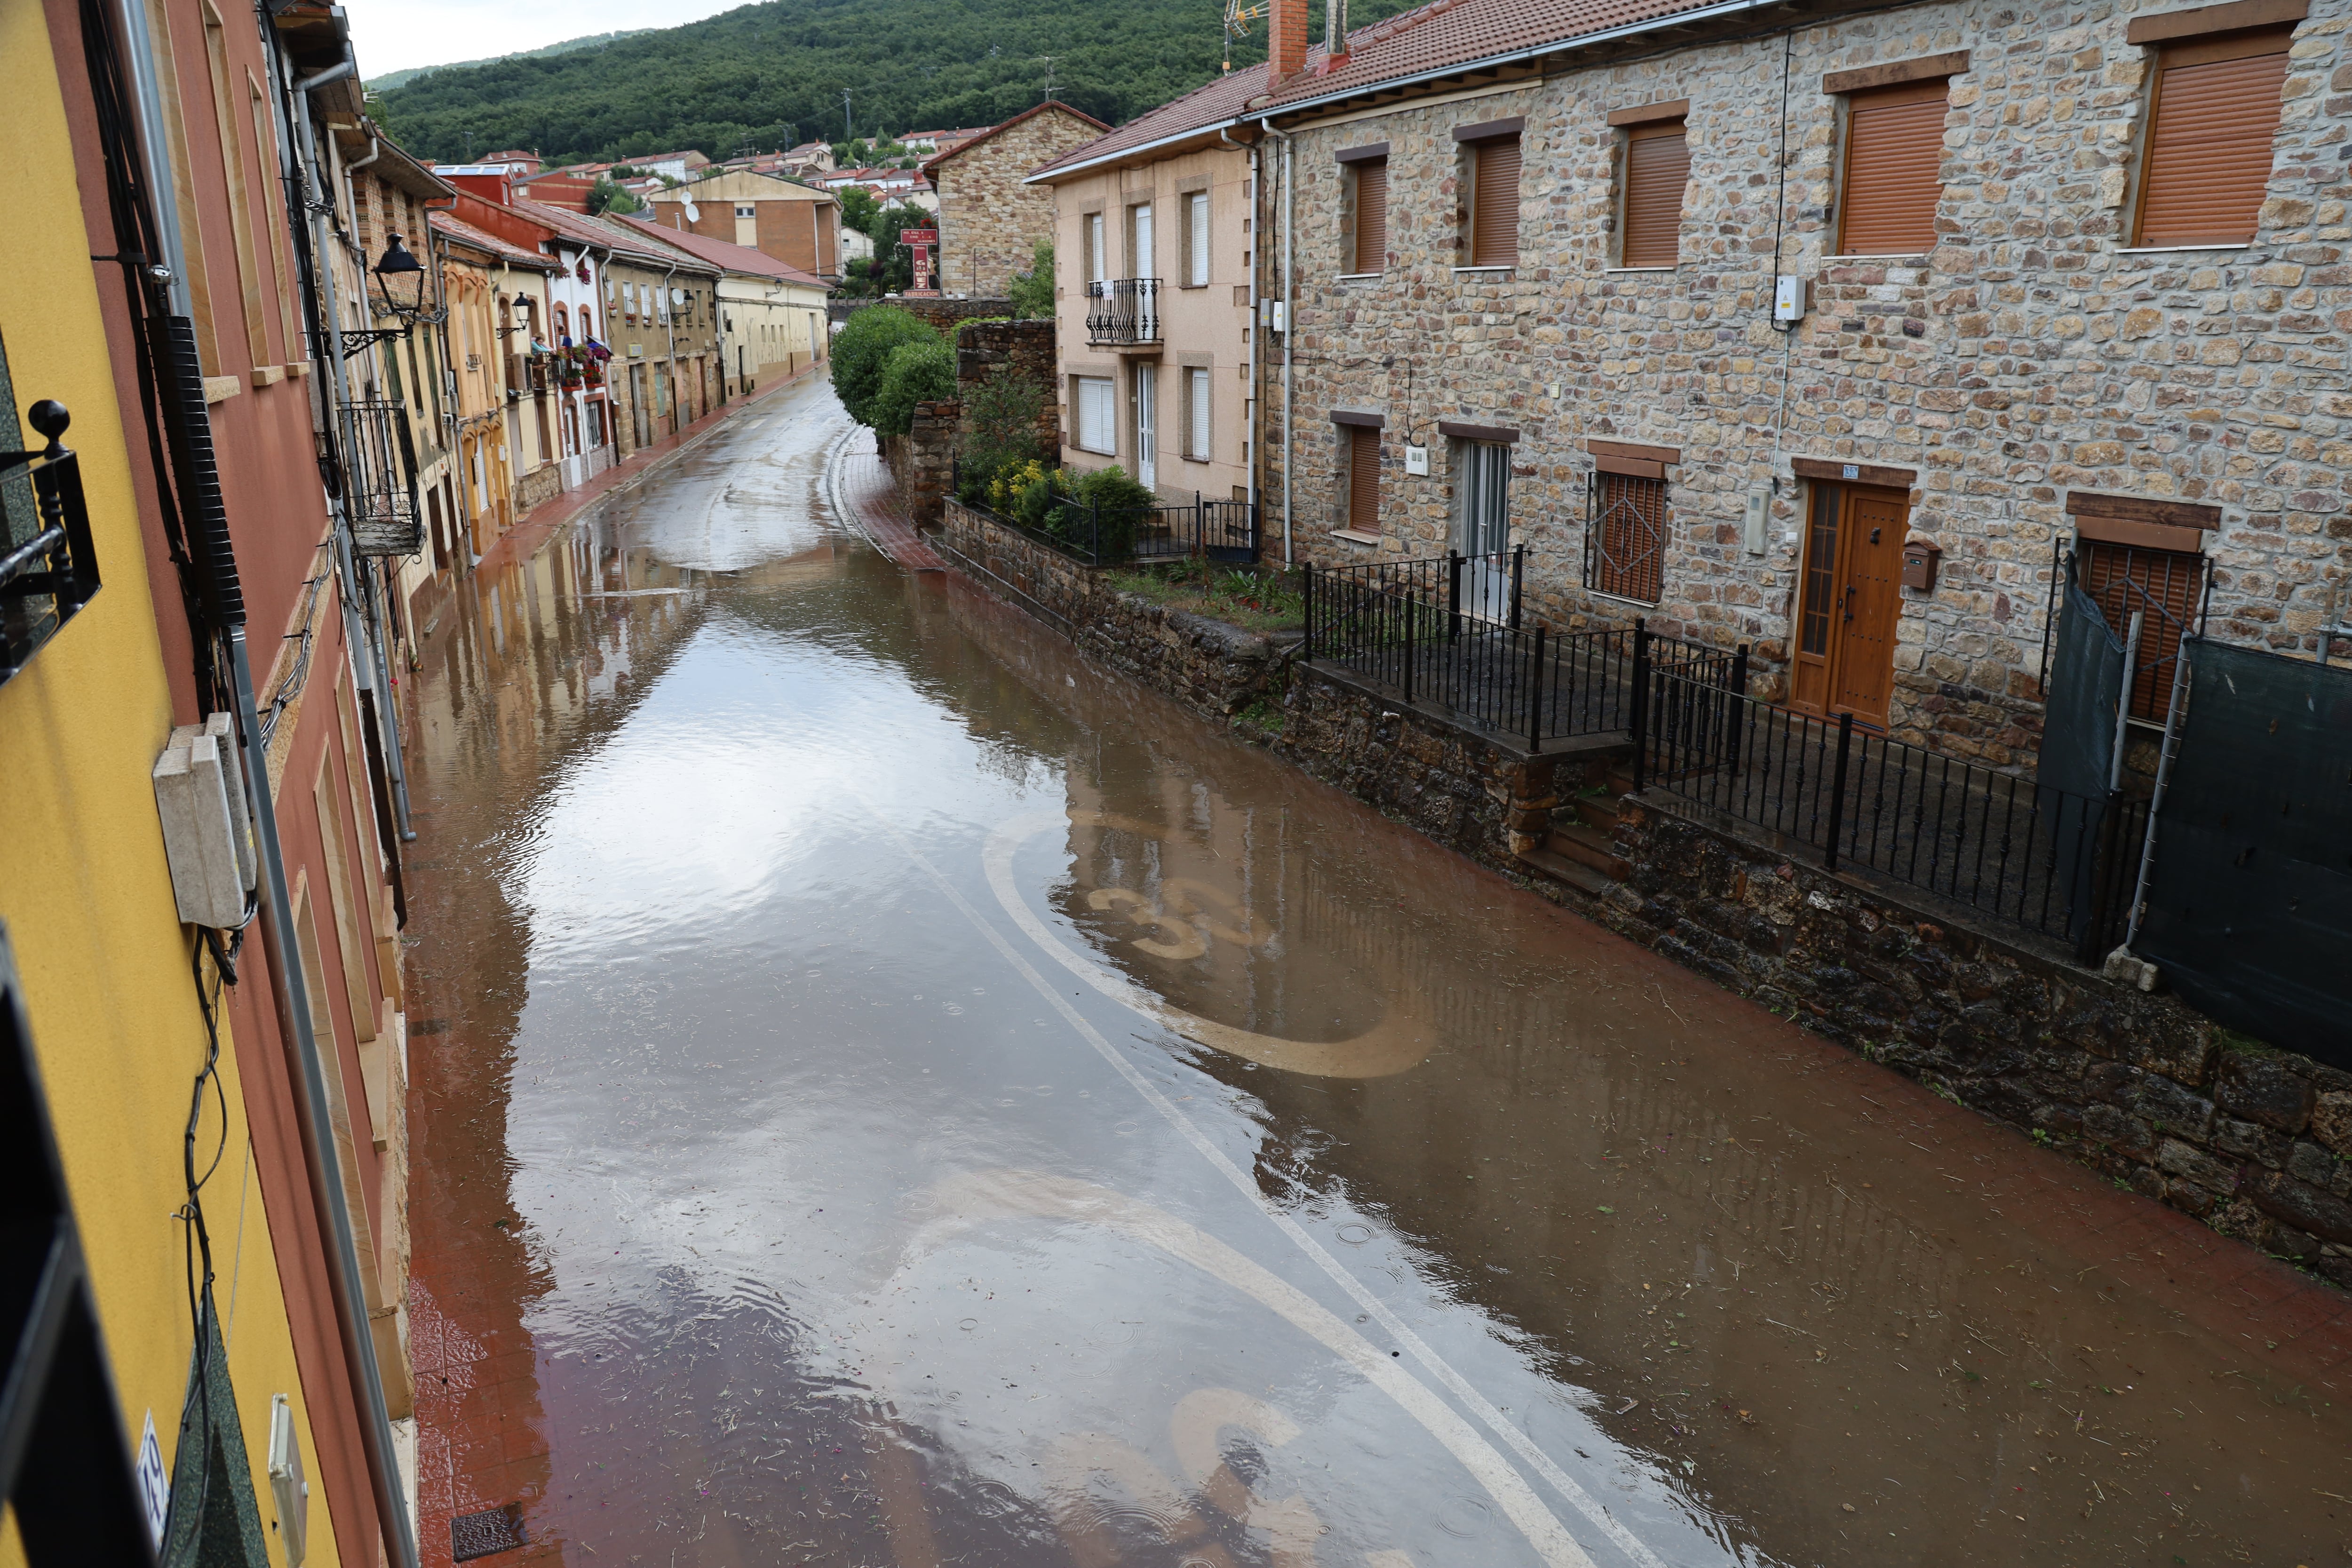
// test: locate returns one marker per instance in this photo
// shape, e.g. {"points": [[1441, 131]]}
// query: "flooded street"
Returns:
{"points": [[888, 1092]]}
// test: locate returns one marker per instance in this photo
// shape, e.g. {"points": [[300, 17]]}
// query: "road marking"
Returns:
{"points": [[997, 859]]}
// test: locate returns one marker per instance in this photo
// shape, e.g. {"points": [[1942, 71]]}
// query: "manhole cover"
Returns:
{"points": [[479, 1534]]}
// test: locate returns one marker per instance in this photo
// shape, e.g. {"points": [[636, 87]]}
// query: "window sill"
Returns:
{"points": [[1355, 536], [1188, 457], [1484, 271], [1608, 270], [1621, 599], [1358, 277], [1092, 452], [1192, 286], [2178, 249], [1916, 258]]}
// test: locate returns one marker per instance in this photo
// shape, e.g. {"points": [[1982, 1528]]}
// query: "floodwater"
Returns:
{"points": [[887, 1092]]}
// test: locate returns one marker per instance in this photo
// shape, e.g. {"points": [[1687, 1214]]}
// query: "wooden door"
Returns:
{"points": [[1850, 582]]}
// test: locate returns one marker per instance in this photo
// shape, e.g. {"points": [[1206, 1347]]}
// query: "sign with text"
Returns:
{"points": [[918, 236]]}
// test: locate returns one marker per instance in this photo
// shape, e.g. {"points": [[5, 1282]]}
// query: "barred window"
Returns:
{"points": [[1625, 539], [2167, 586]]}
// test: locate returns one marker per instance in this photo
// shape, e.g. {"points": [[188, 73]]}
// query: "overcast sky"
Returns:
{"points": [[393, 35]]}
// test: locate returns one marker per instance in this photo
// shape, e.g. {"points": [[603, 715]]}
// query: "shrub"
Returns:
{"points": [[915, 372], [1033, 291], [861, 352], [1000, 422]]}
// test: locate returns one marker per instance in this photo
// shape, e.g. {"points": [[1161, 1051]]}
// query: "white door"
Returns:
{"points": [[1147, 440], [1486, 529]]}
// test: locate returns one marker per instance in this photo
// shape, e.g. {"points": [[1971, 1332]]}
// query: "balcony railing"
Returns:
{"points": [[380, 479], [1123, 310], [48, 569]]}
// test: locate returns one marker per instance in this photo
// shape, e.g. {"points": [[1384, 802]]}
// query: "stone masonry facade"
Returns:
{"points": [[990, 223], [2028, 355]]}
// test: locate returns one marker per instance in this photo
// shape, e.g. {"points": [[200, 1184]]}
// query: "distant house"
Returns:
{"points": [[676, 166], [937, 141], [990, 223], [520, 162], [809, 158], [798, 224]]}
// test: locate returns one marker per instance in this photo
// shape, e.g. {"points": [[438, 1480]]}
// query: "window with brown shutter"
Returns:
{"points": [[1372, 216], [1495, 202], [2166, 587], [1894, 157], [2215, 115], [1625, 542], [1364, 479], [1657, 167]]}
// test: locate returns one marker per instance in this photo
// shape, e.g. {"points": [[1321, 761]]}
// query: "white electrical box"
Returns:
{"points": [[1788, 297], [1275, 317], [1416, 461], [207, 842], [288, 1491], [1759, 510]]}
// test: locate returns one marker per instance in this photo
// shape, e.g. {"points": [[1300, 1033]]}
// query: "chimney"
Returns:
{"points": [[1286, 41], [1335, 34]]}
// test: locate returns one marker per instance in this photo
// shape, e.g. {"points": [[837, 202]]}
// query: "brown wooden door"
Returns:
{"points": [[1850, 581]]}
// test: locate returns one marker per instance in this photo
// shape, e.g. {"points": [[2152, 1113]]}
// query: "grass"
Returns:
{"points": [[1253, 601]]}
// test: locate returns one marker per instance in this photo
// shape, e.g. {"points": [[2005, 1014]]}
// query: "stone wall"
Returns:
{"points": [[990, 222], [1026, 345], [922, 460], [2029, 355], [2256, 1143]]}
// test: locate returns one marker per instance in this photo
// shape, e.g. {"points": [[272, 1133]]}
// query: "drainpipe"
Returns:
{"points": [[1288, 484], [311, 1112], [669, 331], [1257, 185]]}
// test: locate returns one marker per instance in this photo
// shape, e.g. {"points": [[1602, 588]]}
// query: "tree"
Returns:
{"points": [[604, 196], [861, 352], [915, 372], [858, 209], [1033, 291]]}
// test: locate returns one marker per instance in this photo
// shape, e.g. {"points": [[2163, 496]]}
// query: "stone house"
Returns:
{"points": [[798, 224], [990, 222], [1722, 324], [1153, 262]]}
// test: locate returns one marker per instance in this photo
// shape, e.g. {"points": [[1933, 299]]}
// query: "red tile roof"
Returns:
{"points": [[724, 252], [582, 229], [1220, 102], [466, 234], [1448, 32]]}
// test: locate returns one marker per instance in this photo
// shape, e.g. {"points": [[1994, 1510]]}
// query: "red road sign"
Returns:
{"points": [[918, 236]]}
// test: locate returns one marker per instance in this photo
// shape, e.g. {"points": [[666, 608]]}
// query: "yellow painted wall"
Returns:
{"points": [[83, 884]]}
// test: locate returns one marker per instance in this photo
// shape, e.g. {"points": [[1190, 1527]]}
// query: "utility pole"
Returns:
{"points": [[1049, 75], [848, 132]]}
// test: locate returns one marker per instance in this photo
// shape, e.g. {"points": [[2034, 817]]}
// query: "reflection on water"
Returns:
{"points": [[886, 1092]]}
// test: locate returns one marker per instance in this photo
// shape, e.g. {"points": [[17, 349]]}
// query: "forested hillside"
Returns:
{"points": [[391, 80], [771, 75]]}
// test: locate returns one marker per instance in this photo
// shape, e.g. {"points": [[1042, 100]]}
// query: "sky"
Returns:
{"points": [[393, 35]]}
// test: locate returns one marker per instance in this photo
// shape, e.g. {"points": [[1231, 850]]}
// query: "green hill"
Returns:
{"points": [[768, 76], [391, 80]]}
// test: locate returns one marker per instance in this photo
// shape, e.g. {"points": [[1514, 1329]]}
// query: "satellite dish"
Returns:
{"points": [[693, 213]]}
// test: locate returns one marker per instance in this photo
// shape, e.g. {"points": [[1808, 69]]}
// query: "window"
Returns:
{"points": [[1372, 248], [1894, 157], [1097, 415], [562, 325], [1097, 254], [1196, 413], [2167, 586], [745, 209], [1196, 240], [1495, 201], [1625, 541], [587, 325], [1138, 241], [2214, 114], [1657, 167], [1363, 448]]}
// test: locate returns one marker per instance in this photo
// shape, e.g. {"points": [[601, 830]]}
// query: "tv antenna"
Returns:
{"points": [[1238, 17], [1049, 73]]}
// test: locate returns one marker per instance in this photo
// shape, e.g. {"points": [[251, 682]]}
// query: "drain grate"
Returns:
{"points": [[479, 1534]]}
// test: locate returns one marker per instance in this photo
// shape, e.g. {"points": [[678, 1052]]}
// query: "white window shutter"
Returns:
{"points": [[1198, 446], [1199, 203]]}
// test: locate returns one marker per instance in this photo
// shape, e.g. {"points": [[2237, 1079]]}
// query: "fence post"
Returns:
{"points": [[1535, 695], [1453, 594], [1518, 569], [1307, 642], [1837, 789], [1638, 722], [1734, 707], [1406, 605], [1200, 528]]}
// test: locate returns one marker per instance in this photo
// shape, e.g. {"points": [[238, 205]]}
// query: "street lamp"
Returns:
{"points": [[400, 283]]}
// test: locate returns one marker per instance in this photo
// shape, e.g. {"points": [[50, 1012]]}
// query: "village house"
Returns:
{"points": [[480, 273], [990, 222], [661, 307], [1830, 341], [798, 224], [772, 316], [1152, 254]]}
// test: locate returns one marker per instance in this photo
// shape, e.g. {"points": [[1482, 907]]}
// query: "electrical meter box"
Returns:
{"points": [[289, 1492], [1416, 461], [1788, 297]]}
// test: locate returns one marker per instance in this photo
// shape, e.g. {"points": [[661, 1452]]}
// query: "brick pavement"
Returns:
{"points": [[871, 496]]}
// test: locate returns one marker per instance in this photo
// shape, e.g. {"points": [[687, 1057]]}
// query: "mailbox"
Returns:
{"points": [[1920, 557]]}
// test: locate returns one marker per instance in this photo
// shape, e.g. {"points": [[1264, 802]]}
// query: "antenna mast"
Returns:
{"points": [[1238, 20]]}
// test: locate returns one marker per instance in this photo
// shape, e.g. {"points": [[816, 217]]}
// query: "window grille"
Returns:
{"points": [[2168, 586], [1626, 537]]}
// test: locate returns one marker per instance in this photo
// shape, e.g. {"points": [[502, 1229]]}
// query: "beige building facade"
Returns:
{"points": [[990, 218], [798, 224], [1152, 257]]}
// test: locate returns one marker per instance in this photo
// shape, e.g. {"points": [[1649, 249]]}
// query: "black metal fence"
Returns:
{"points": [[379, 458], [1123, 310], [1221, 531], [48, 566], [2022, 852]]}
